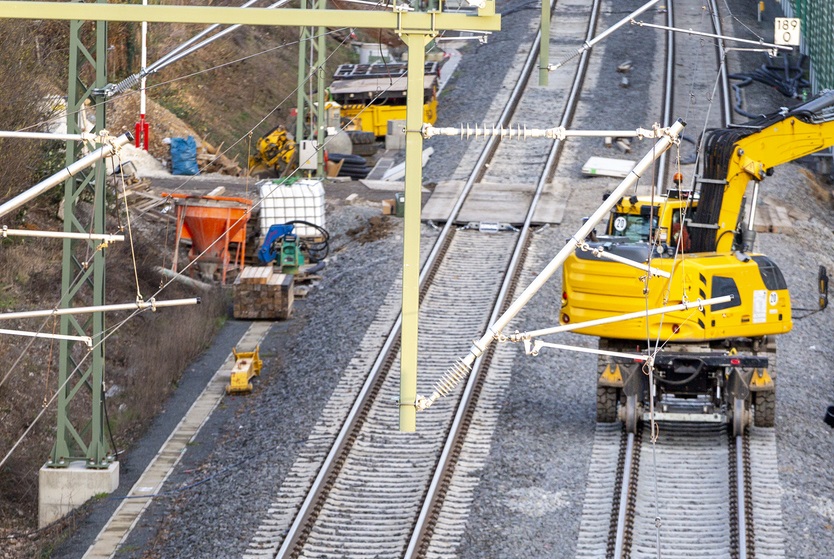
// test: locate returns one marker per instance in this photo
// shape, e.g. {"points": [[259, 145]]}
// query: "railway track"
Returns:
{"points": [[380, 493], [361, 489], [691, 494], [686, 489]]}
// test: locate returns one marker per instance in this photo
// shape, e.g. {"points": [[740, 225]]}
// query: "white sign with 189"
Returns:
{"points": [[786, 31]]}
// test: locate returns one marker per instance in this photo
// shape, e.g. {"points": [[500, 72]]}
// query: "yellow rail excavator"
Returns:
{"points": [[708, 362], [275, 153]]}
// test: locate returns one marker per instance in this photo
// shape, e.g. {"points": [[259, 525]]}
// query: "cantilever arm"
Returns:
{"points": [[460, 369]]}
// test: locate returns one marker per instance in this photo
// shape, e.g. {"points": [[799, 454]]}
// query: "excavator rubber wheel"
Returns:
{"points": [[360, 137], [764, 414], [607, 399]]}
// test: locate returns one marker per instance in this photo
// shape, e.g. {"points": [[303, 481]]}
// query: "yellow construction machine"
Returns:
{"points": [[372, 94], [275, 153], [711, 362]]}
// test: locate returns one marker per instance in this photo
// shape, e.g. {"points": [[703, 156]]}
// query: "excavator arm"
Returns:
{"points": [[736, 156]]}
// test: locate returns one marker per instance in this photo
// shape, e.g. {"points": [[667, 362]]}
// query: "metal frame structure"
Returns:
{"points": [[816, 38], [312, 40], [82, 277], [415, 28]]}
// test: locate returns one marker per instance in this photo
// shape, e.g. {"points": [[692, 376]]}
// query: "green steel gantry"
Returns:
{"points": [[79, 436], [416, 28], [309, 111]]}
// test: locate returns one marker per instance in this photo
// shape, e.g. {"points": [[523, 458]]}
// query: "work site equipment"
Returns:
{"points": [[702, 363], [373, 94], [248, 364], [284, 247], [291, 256], [271, 249], [275, 152], [212, 224]]}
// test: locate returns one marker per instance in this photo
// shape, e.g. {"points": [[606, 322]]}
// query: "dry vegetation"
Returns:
{"points": [[220, 98]]}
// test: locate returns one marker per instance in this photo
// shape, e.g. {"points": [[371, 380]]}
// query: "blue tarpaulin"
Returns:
{"points": [[184, 156]]}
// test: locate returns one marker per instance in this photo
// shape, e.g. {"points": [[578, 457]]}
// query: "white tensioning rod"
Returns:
{"points": [[106, 150], [517, 337], [107, 238], [761, 44], [589, 44], [521, 132], [152, 304], [85, 137], [533, 348], [600, 253], [86, 339], [180, 52], [460, 369]]}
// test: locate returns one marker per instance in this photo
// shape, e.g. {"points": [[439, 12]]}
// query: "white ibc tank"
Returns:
{"points": [[299, 200]]}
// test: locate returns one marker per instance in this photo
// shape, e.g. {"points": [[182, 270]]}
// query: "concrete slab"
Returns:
{"points": [[62, 490], [389, 186], [503, 203]]}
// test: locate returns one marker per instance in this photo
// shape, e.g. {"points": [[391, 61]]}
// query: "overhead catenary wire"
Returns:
{"points": [[180, 52], [132, 315], [164, 285]]}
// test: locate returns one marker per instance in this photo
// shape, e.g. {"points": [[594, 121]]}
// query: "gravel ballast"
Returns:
{"points": [[529, 499]]}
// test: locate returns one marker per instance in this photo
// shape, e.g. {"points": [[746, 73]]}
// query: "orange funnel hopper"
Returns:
{"points": [[212, 223]]}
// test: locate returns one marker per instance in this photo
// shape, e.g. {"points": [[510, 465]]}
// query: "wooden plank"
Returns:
{"points": [[442, 200], [762, 223], [781, 221], [256, 274], [551, 206], [502, 203]]}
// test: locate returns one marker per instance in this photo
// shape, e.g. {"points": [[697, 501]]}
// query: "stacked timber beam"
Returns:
{"points": [[773, 218], [259, 293]]}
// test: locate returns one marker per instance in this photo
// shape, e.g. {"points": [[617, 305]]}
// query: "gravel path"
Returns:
{"points": [[528, 501]]}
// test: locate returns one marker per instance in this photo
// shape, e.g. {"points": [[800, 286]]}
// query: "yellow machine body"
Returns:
{"points": [[274, 152], [699, 241], [371, 95], [596, 289], [374, 118], [713, 362], [247, 365]]}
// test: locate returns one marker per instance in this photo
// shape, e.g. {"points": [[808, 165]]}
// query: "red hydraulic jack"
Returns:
{"points": [[141, 136]]}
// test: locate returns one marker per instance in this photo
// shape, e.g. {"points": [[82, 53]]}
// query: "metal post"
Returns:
{"points": [[416, 43], [311, 39], [544, 42], [83, 437], [321, 118], [301, 91]]}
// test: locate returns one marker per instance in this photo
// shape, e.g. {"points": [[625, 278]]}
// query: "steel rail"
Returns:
{"points": [[625, 495], [669, 84], [738, 485], [741, 498], [627, 489], [451, 447], [295, 533], [724, 82]]}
